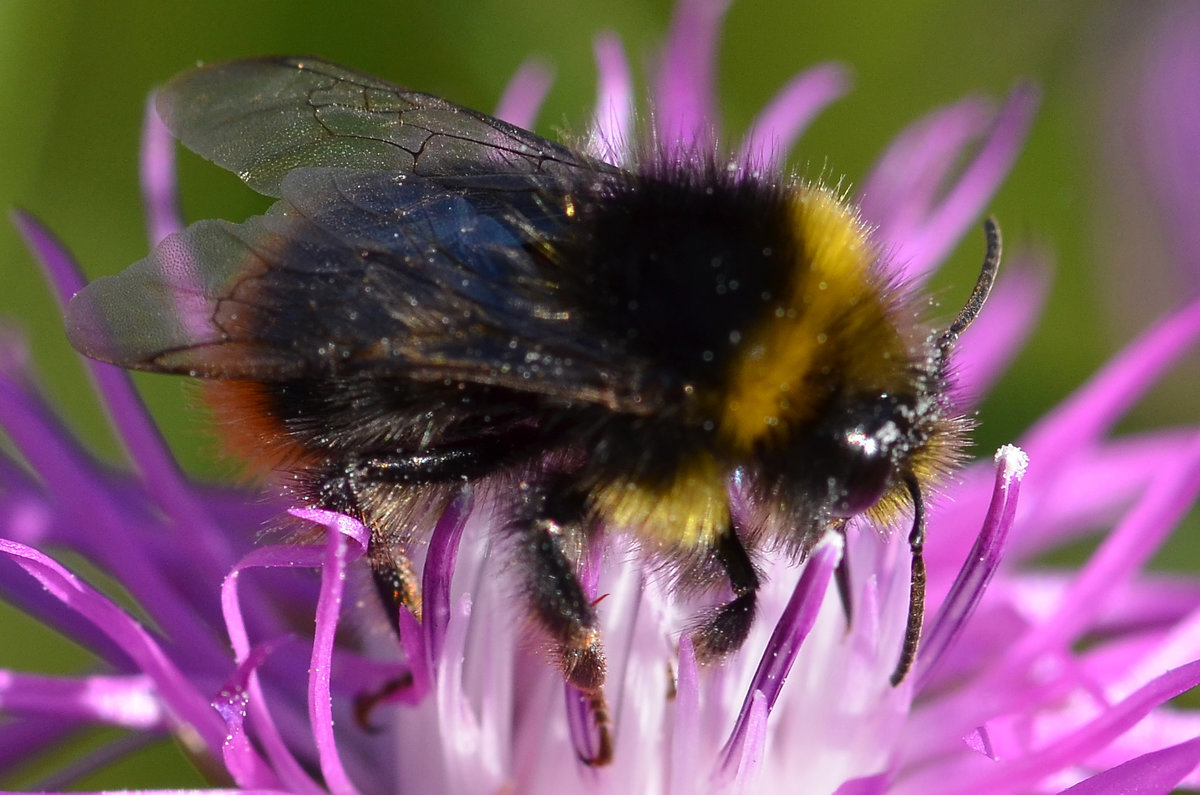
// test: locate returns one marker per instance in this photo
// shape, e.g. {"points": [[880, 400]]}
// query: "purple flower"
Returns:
{"points": [[1029, 678]]}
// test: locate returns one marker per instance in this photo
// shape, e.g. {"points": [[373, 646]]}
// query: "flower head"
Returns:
{"points": [[1028, 678]]}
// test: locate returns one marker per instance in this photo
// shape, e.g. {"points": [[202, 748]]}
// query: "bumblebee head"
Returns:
{"points": [[864, 449], [872, 427]]}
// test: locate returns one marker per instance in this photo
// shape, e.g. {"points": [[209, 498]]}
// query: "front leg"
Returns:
{"points": [[724, 630]]}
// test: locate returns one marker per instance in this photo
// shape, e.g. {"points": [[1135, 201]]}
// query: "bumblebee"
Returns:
{"points": [[439, 298]]}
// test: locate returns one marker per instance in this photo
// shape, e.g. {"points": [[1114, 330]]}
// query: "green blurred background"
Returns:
{"points": [[74, 76]]}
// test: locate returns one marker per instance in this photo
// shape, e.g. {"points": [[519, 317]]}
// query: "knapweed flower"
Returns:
{"points": [[1029, 679]]}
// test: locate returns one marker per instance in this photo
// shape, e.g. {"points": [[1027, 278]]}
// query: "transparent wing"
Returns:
{"points": [[263, 118]]}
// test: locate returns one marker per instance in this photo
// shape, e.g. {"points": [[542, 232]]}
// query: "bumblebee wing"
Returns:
{"points": [[448, 279], [263, 118]]}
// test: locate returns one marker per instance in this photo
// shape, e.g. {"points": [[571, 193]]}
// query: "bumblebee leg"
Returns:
{"points": [[841, 576], [554, 519], [552, 586], [395, 580], [725, 629]]}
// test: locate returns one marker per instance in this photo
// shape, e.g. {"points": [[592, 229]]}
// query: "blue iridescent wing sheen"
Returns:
{"points": [[433, 266]]}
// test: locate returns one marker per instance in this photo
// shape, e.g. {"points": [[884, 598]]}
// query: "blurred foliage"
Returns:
{"points": [[74, 77]]}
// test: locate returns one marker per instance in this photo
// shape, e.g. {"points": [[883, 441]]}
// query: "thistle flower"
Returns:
{"points": [[1029, 679]]}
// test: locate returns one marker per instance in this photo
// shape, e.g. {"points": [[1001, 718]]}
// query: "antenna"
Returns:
{"points": [[983, 286]]}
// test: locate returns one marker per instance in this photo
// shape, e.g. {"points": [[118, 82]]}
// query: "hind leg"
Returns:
{"points": [[369, 488], [550, 535]]}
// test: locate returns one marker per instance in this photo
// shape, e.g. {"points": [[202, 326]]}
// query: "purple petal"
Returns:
{"points": [[780, 124], [58, 266], [612, 119], [523, 97], [980, 565], [743, 762], [439, 571], [793, 627], [186, 705], [338, 555], [239, 754], [30, 598], [1158, 771], [266, 730], [127, 701], [160, 193], [685, 118], [412, 639], [135, 429]]}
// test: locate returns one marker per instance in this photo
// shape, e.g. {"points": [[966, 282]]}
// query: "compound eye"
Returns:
{"points": [[864, 469], [865, 451]]}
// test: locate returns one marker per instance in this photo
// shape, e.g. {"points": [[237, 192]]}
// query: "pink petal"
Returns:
{"points": [[1170, 127], [1020, 773], [685, 739], [524, 94], [683, 89], [612, 119], [780, 124], [1158, 771], [1091, 410], [160, 193], [743, 761], [944, 220]]}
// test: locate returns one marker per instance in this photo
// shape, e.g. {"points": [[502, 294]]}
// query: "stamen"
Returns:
{"points": [[980, 564]]}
